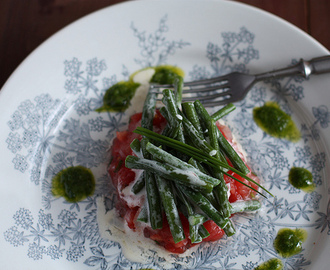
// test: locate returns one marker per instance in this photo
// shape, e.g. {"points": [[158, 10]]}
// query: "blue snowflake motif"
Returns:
{"points": [[258, 160], [322, 115], [61, 234], [45, 220], [67, 217], [313, 200], [324, 221], [276, 181], [97, 124], [199, 73], [280, 162], [30, 138], [302, 155], [275, 205], [23, 218], [318, 161], [54, 252], [75, 252], [16, 122], [108, 82], [72, 68], [82, 106], [20, 163], [296, 92], [94, 67], [44, 102], [245, 124], [35, 175], [26, 107], [249, 266], [258, 95], [236, 45], [155, 48], [35, 251], [71, 86], [33, 123], [14, 142], [15, 237]]}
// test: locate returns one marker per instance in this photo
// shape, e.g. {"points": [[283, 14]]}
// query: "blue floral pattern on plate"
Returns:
{"points": [[50, 134]]}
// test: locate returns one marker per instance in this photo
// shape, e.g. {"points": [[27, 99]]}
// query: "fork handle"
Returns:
{"points": [[303, 68]]}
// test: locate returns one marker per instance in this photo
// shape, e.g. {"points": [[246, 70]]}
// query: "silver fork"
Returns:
{"points": [[234, 86]]}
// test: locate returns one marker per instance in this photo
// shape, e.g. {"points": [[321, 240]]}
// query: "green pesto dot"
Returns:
{"points": [[271, 119], [117, 98], [272, 264], [288, 242], [74, 184], [166, 74], [301, 178]]}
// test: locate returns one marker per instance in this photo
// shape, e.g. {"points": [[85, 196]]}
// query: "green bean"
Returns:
{"points": [[245, 206], [210, 127], [209, 195], [178, 88], [170, 172], [198, 141], [174, 117], [191, 114], [171, 211], [195, 237], [220, 191], [171, 131], [154, 202], [139, 184], [223, 143], [167, 158], [195, 220], [209, 210], [139, 147], [148, 110], [197, 165], [203, 232], [232, 155], [143, 215], [223, 111], [136, 147]]}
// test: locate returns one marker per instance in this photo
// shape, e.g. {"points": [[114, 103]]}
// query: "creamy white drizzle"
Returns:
{"points": [[134, 245], [143, 77]]}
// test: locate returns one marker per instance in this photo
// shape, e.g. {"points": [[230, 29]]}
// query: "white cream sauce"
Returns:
{"points": [[143, 77], [134, 245]]}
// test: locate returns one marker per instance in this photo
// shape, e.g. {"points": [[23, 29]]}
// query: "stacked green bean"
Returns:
{"points": [[184, 167]]}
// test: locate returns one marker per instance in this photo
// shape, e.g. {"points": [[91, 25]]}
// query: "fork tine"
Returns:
{"points": [[224, 101], [202, 88], [200, 83], [207, 81], [208, 97]]}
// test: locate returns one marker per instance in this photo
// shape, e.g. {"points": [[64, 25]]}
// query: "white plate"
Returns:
{"points": [[48, 123]]}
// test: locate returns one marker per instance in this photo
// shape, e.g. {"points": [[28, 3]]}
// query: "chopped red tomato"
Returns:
{"points": [[215, 231], [164, 237], [122, 177]]}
